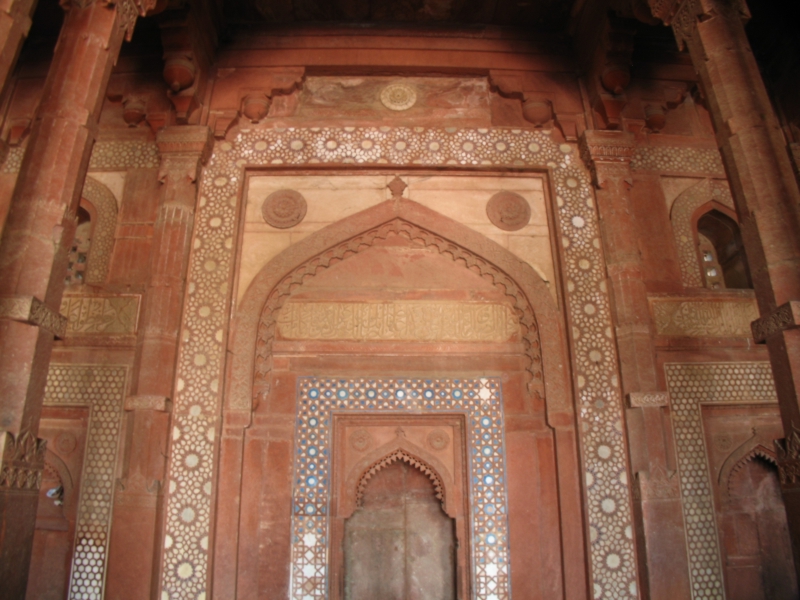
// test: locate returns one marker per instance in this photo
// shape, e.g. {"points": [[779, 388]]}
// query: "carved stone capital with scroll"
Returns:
{"points": [[786, 316], [608, 154]]}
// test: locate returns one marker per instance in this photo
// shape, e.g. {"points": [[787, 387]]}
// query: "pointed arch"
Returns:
{"points": [[757, 445], [254, 323], [681, 216], [103, 210]]}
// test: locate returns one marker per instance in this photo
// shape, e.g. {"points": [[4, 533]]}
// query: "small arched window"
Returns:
{"points": [[79, 251], [721, 252]]}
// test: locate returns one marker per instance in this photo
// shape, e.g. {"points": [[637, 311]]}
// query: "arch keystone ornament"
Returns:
{"points": [[595, 366]]}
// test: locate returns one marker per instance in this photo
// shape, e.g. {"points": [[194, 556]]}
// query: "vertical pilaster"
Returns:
{"points": [[135, 541], [15, 22], [766, 193], [33, 258], [608, 155]]}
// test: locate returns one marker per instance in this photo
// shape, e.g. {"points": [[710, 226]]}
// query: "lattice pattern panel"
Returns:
{"points": [[691, 385], [102, 388], [106, 156], [480, 400], [197, 400], [678, 159]]}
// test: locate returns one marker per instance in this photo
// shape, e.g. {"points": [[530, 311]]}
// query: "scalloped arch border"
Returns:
{"points": [[253, 324], [202, 352], [408, 458]]}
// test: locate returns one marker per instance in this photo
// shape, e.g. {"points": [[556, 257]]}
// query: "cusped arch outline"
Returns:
{"points": [[104, 215], [411, 460], [255, 324], [756, 446], [683, 210], [401, 448]]}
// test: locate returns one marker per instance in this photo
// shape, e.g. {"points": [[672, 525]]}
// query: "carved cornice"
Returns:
{"points": [[786, 316], [28, 309], [788, 451], [607, 153], [645, 399], [22, 461]]}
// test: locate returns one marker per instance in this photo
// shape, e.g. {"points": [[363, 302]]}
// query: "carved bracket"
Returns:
{"points": [[783, 318], [22, 461], [33, 311], [788, 451]]}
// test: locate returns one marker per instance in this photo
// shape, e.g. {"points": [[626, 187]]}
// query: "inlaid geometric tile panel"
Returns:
{"points": [[479, 399], [101, 388], [691, 385]]}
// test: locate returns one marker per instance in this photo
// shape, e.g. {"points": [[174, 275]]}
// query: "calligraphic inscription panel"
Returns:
{"points": [[398, 321]]}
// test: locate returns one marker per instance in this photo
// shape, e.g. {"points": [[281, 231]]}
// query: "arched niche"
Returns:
{"points": [[254, 323], [682, 216], [257, 391], [101, 205]]}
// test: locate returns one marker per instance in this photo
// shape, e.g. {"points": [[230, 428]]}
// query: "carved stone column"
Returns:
{"points": [[763, 184], [15, 22], [34, 247], [135, 537], [608, 155]]}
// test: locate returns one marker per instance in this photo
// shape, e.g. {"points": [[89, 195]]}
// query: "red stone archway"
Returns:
{"points": [[545, 458]]}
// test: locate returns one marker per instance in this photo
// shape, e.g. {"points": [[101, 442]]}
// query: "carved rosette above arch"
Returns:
{"points": [[203, 349]]}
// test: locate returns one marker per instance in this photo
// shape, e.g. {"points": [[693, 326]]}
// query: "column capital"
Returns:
{"points": [[607, 153], [128, 10], [184, 149], [683, 15]]}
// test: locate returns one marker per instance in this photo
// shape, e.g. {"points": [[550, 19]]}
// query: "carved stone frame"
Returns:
{"points": [[202, 354], [345, 482]]}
